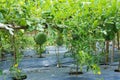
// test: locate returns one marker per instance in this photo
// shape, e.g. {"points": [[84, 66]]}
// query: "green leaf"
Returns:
{"points": [[1, 16], [29, 23], [23, 22], [95, 24], [117, 25]]}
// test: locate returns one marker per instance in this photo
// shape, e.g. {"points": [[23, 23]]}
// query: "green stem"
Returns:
{"points": [[58, 57], [119, 65], [118, 40], [40, 51], [107, 51]]}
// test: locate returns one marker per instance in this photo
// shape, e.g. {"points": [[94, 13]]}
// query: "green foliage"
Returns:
{"points": [[75, 36], [40, 38], [59, 40], [70, 13], [86, 59], [13, 44], [5, 41], [82, 58], [86, 20], [16, 73], [109, 36]]}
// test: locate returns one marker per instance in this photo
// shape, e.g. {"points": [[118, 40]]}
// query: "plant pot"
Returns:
{"points": [[15, 78], [117, 70], [75, 73], [22, 77]]}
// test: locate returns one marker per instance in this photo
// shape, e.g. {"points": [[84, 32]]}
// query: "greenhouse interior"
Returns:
{"points": [[59, 39]]}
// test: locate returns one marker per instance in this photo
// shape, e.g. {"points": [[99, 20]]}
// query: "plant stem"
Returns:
{"points": [[58, 60], [107, 51], [118, 40], [40, 51], [119, 65], [14, 49]]}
